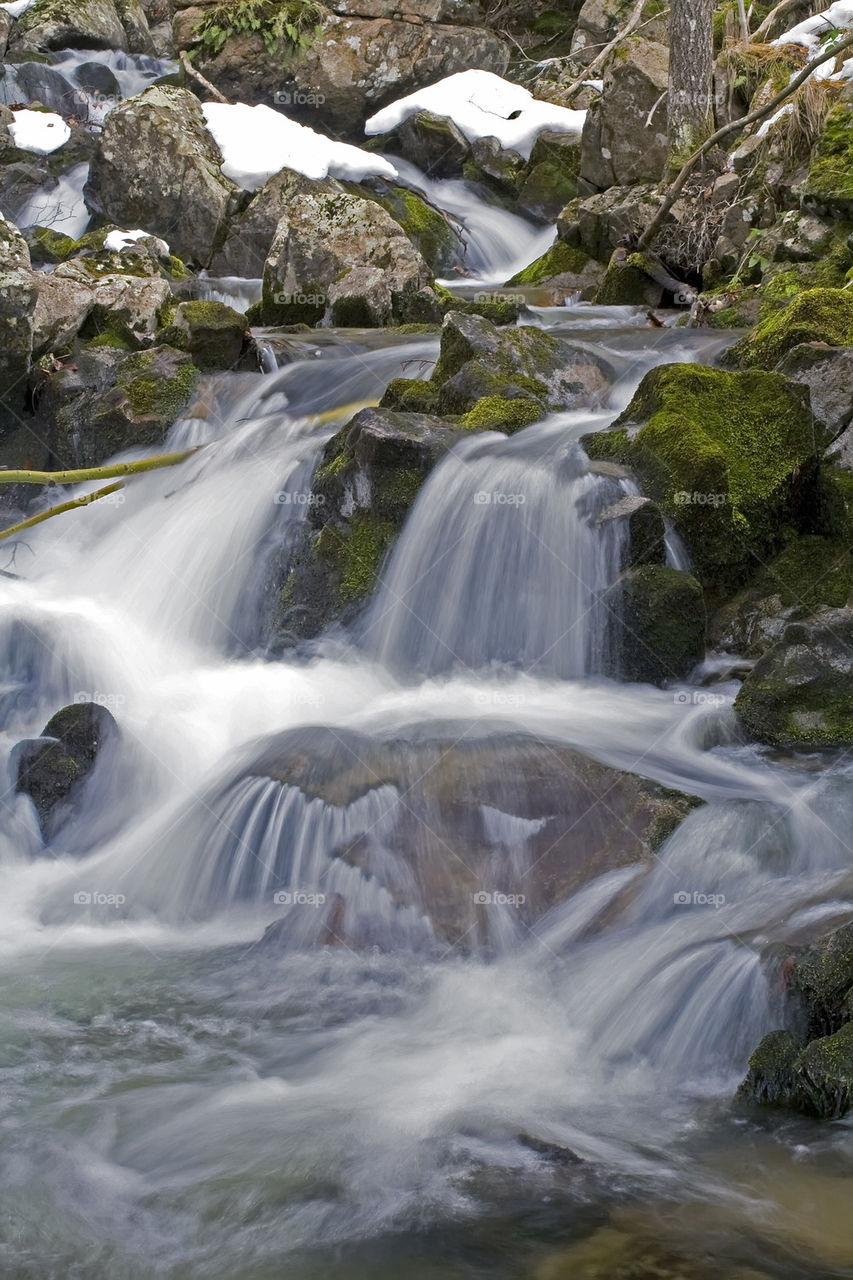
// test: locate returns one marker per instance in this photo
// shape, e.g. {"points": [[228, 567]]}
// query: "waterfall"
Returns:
{"points": [[501, 562]]}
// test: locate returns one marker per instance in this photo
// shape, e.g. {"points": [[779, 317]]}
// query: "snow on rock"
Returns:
{"points": [[482, 105], [118, 240], [16, 7], [257, 142], [39, 131], [812, 31]]}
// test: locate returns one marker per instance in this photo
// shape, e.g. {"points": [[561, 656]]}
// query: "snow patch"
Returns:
{"points": [[39, 131], [812, 31], [483, 105], [118, 240], [16, 7], [257, 142]]}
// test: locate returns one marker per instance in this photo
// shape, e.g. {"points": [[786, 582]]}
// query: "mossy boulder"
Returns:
{"points": [[551, 178], [368, 478], [110, 399], [432, 142], [627, 283], [214, 334], [825, 1075], [662, 623], [434, 234], [830, 180], [57, 24], [800, 694], [48, 247], [495, 413], [771, 1080], [733, 459], [821, 979], [562, 266], [817, 315], [52, 769], [411, 395], [477, 360]]}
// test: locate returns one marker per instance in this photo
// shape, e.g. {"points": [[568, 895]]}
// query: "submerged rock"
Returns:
{"points": [[479, 831], [52, 769]]}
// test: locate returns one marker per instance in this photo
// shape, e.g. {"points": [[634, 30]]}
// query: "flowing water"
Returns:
{"points": [[362, 1091]]}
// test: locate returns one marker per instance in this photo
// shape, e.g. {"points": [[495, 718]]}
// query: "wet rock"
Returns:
{"points": [[625, 134], [646, 540], [437, 236], [432, 142], [662, 624], [733, 459], [825, 1075], [502, 168], [821, 979], [214, 334], [565, 270], [800, 694], [478, 360], [110, 399], [52, 769], [157, 167], [54, 24], [484, 819], [628, 283], [771, 1080], [550, 179], [368, 478], [828, 374], [17, 308], [339, 259]]}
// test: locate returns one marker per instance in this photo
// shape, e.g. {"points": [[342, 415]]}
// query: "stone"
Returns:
{"points": [[816, 315], [55, 24], [250, 235], [550, 180], [662, 624], [157, 167], [625, 134], [828, 374], [432, 142], [646, 530], [62, 308], [52, 769], [17, 310], [214, 334]]}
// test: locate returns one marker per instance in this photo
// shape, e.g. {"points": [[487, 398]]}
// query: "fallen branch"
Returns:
{"points": [[96, 473], [760, 113], [202, 80], [85, 501]]}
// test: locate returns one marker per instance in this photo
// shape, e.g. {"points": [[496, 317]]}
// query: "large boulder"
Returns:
{"points": [[602, 223], [600, 20], [662, 624], [828, 374], [52, 769], [477, 361], [354, 67], [733, 459], [625, 134], [478, 833], [56, 24], [109, 400], [816, 315], [800, 694], [17, 309], [368, 478], [250, 235], [340, 259], [214, 334], [158, 168]]}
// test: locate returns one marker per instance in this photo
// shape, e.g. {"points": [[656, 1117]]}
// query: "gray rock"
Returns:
{"points": [[157, 167], [625, 135], [251, 234], [432, 142], [62, 307], [17, 309], [53, 24], [828, 374], [52, 769]]}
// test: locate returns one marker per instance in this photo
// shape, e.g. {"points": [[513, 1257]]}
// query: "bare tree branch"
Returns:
{"points": [[197, 76]]}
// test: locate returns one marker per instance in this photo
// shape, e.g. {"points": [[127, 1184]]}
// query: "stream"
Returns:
{"points": [[187, 1095]]}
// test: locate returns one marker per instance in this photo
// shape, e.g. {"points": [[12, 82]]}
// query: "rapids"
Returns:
{"points": [[188, 1096]]}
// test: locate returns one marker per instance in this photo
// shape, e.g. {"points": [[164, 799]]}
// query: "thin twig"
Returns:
{"points": [[202, 80]]}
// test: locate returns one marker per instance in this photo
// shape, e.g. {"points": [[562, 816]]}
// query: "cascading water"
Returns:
{"points": [[255, 1019]]}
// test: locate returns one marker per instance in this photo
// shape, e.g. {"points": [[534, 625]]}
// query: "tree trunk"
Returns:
{"points": [[691, 76]]}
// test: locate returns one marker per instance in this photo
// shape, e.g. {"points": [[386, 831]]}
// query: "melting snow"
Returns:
{"points": [[118, 240], [812, 31], [257, 142], [39, 131], [482, 105], [16, 7]]}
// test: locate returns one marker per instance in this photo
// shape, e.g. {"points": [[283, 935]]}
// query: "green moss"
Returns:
{"points": [[495, 413], [628, 283], [411, 395], [357, 553], [48, 246], [818, 315], [663, 615], [499, 310], [109, 338], [560, 259], [830, 177], [730, 457], [149, 392]]}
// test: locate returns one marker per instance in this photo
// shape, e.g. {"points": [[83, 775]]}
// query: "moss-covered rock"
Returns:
{"points": [[564, 266], [368, 478], [662, 624], [433, 233], [627, 283], [817, 315], [822, 979], [477, 360], [48, 247], [800, 694], [830, 180], [732, 458], [17, 309], [214, 334], [551, 178], [825, 1075], [771, 1080], [495, 413], [410, 395]]}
